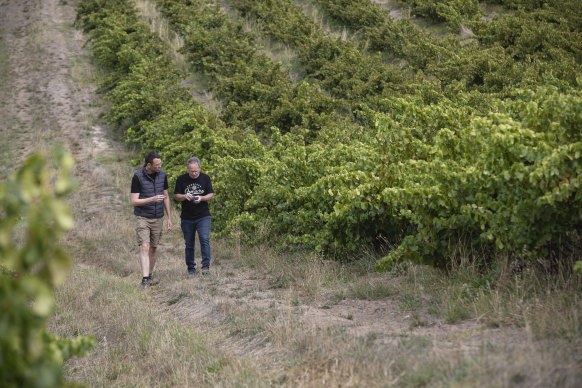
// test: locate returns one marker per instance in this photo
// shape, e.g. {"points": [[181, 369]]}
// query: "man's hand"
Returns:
{"points": [[170, 225], [158, 198]]}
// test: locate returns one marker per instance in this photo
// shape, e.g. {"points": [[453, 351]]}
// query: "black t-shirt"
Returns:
{"points": [[136, 185], [199, 186]]}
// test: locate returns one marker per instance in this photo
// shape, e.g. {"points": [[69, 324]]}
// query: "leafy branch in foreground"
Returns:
{"points": [[32, 263]]}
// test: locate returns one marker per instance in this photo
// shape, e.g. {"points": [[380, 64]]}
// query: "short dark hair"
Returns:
{"points": [[149, 158]]}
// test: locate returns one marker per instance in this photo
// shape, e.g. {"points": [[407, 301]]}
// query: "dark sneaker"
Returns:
{"points": [[144, 284], [205, 271], [191, 273], [153, 282]]}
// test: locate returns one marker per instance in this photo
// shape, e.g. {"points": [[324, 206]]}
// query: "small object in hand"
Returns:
{"points": [[196, 198]]}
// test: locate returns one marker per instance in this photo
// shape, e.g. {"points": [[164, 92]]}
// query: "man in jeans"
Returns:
{"points": [[194, 191], [149, 197]]}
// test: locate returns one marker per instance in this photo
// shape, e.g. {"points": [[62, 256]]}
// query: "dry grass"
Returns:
{"points": [[6, 145], [197, 83], [160, 26], [275, 50], [27, 123]]}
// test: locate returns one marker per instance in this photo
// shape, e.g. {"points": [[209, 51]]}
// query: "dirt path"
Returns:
{"points": [[47, 95], [41, 102]]}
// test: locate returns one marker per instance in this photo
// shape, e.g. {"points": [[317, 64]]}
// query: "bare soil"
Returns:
{"points": [[41, 104]]}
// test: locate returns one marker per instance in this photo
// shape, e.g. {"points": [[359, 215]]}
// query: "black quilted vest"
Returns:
{"points": [[149, 188]]}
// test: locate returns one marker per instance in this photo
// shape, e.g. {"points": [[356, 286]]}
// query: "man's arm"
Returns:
{"points": [[168, 209], [207, 197], [137, 201], [180, 197]]}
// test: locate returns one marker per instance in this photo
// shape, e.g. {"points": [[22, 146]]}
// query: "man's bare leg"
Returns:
{"points": [[144, 259], [152, 261]]}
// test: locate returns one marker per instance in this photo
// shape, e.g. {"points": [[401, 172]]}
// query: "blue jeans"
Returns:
{"points": [[189, 229]]}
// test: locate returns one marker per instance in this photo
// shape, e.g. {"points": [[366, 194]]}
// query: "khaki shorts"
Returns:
{"points": [[148, 230]]}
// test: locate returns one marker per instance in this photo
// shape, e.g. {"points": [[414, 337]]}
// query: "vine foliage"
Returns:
{"points": [[472, 144], [32, 263]]}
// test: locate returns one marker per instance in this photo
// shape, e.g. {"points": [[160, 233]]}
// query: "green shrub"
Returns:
{"points": [[511, 180], [32, 263]]}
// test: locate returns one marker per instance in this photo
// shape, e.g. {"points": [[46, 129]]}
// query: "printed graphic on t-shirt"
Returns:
{"points": [[194, 189]]}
